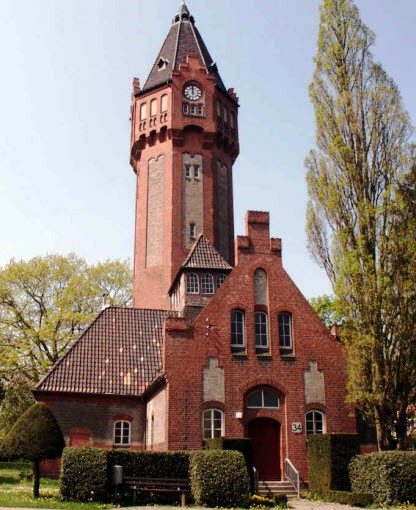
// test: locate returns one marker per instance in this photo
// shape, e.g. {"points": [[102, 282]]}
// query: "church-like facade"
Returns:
{"points": [[220, 341]]}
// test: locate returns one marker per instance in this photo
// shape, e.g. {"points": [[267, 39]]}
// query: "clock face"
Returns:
{"points": [[192, 92]]}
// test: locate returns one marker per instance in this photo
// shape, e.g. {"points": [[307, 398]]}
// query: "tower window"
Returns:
{"points": [[187, 171], [200, 110], [232, 120], [164, 103], [143, 111], [261, 328], [196, 172], [153, 107], [221, 279], [285, 332], [192, 231], [207, 284], [192, 283], [185, 108], [218, 109], [237, 328], [225, 113]]}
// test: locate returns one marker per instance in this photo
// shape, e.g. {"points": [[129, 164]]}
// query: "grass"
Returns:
{"points": [[16, 490]]}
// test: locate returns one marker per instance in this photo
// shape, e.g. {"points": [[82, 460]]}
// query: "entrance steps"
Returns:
{"points": [[270, 488]]}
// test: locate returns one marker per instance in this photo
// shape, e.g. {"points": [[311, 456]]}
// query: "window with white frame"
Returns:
{"points": [[221, 279], [315, 422], [192, 231], [262, 399], [207, 284], [237, 328], [285, 332], [196, 171], [187, 171], [212, 423], [261, 330], [192, 283], [122, 433]]}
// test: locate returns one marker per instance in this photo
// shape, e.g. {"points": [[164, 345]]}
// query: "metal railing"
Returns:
{"points": [[292, 474]]}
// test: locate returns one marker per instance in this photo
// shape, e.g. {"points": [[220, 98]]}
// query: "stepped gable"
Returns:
{"points": [[120, 353], [182, 40], [204, 255]]}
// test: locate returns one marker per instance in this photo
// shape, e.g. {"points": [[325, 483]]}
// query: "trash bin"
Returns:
{"points": [[117, 475]]}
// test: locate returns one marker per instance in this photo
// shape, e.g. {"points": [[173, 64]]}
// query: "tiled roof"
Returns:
{"points": [[204, 255], [182, 40], [120, 353], [191, 312]]}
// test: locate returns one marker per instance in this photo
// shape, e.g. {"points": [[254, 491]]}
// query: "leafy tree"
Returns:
{"points": [[327, 307], [46, 302], [361, 219], [18, 398], [35, 436]]}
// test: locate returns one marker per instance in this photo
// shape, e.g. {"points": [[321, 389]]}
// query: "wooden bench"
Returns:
{"points": [[143, 484]]}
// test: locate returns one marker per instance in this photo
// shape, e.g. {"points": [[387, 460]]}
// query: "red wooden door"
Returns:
{"points": [[265, 436]]}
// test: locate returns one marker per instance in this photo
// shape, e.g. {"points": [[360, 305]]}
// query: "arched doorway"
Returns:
{"points": [[265, 436]]}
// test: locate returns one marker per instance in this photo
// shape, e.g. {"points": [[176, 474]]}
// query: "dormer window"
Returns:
{"points": [[162, 64]]}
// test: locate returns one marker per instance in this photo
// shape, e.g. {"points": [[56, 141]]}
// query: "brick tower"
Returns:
{"points": [[184, 141]]}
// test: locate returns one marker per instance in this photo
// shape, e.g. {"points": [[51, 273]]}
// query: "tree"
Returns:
{"points": [[35, 436], [327, 307], [360, 216], [46, 302], [18, 398]]}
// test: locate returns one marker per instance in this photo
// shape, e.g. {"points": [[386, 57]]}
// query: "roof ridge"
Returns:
{"points": [[199, 47], [175, 54]]}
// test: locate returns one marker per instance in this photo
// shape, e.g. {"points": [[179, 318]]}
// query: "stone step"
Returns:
{"points": [[276, 487]]}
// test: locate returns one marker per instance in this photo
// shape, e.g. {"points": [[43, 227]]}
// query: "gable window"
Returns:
{"points": [[315, 422], [237, 328], [192, 283], [212, 423], [263, 399], [122, 432], [221, 279], [207, 284], [285, 332], [192, 231], [261, 330]]}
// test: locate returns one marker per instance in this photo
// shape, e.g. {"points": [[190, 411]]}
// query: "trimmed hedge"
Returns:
{"points": [[329, 457], [362, 499], [243, 445], [389, 476], [219, 478], [84, 474]]}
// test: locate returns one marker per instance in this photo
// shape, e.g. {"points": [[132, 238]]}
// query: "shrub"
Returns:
{"points": [[361, 499], [257, 501], [243, 445], [35, 436], [329, 457], [219, 478], [388, 476], [84, 474]]}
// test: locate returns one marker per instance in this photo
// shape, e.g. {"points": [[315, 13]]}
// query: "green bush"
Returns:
{"points": [[361, 499], [219, 478], [329, 457], [243, 445], [84, 474], [152, 465], [388, 476]]}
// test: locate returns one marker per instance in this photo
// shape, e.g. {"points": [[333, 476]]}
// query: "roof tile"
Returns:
{"points": [[204, 255]]}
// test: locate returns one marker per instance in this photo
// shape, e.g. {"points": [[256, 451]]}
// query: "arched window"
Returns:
{"points": [[315, 422], [192, 283], [263, 399], [212, 423], [221, 279], [153, 107], [261, 327], [164, 103], [207, 284], [237, 328], [122, 433], [143, 111], [285, 332]]}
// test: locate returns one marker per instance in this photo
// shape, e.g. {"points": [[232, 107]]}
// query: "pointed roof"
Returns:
{"points": [[204, 255], [120, 353], [182, 40]]}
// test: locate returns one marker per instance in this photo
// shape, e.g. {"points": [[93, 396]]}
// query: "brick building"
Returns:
{"points": [[220, 341]]}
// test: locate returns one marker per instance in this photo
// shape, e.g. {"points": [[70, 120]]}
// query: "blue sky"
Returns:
{"points": [[67, 69]]}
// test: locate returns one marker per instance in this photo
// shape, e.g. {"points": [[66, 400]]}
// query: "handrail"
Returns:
{"points": [[292, 474], [255, 480]]}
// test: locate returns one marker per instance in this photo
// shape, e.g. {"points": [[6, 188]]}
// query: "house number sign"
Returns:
{"points": [[297, 427]]}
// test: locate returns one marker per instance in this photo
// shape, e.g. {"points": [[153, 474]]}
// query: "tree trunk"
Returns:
{"points": [[36, 478]]}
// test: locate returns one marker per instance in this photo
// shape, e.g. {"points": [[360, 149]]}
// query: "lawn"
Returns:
{"points": [[16, 491]]}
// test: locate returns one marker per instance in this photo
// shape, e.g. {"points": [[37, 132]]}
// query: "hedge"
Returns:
{"points": [[389, 476], [329, 457], [243, 445], [219, 478], [84, 474], [362, 499]]}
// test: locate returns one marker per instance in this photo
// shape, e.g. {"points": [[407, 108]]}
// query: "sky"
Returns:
{"points": [[65, 90]]}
